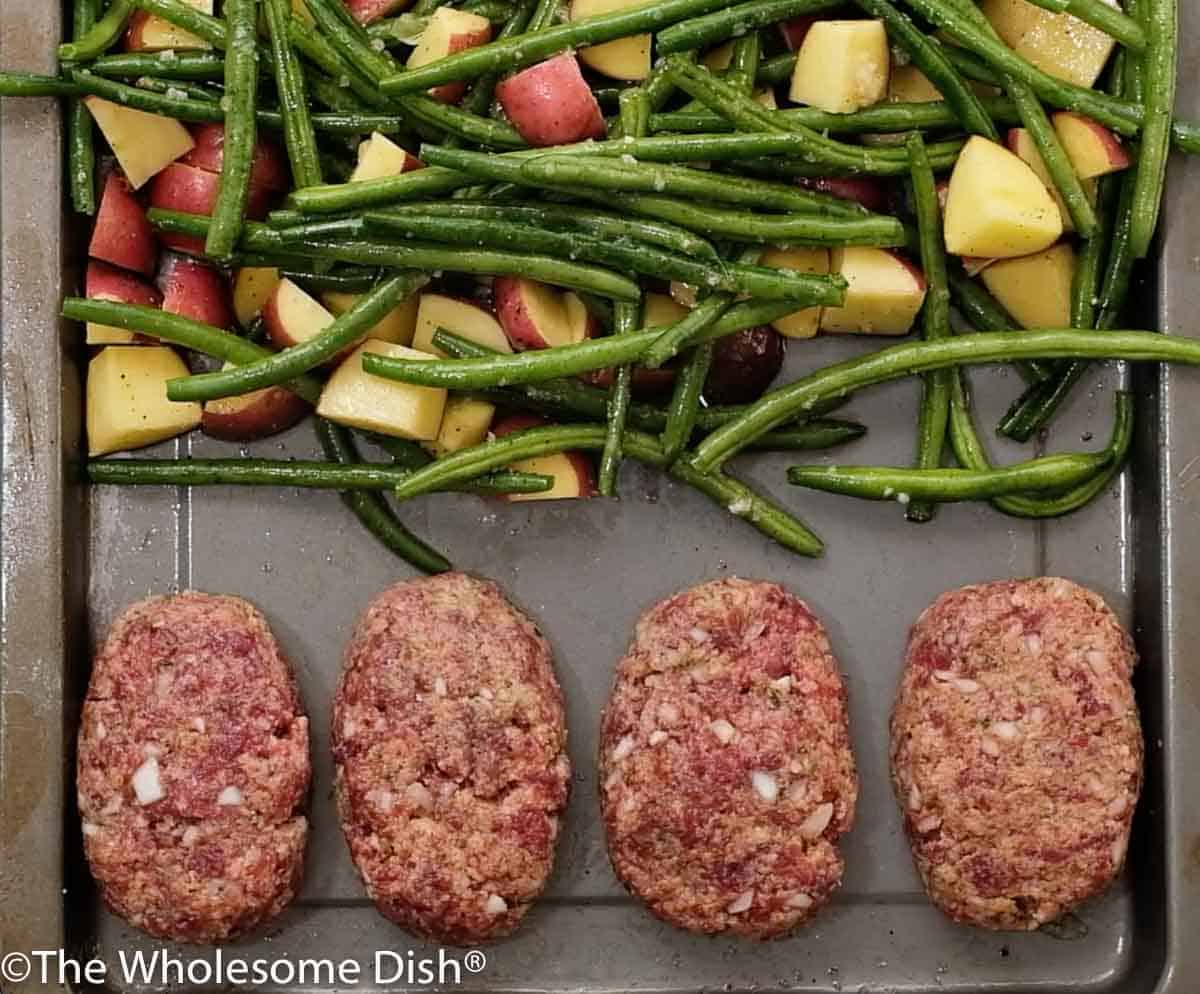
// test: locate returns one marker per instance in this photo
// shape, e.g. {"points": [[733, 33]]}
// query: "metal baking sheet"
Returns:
{"points": [[73, 558]]}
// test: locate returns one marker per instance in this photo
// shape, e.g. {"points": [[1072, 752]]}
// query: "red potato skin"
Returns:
{"points": [[368, 11], [270, 169], [551, 104], [105, 282], [865, 190], [253, 416], [646, 382], [282, 338], [511, 312], [194, 289], [584, 470], [744, 365], [795, 30], [452, 93], [185, 188], [122, 235]]}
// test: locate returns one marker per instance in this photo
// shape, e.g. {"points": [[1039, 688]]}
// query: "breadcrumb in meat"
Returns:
{"points": [[192, 770], [449, 740], [1016, 750], [726, 775]]}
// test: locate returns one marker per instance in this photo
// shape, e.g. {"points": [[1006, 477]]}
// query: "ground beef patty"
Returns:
{"points": [[193, 766], [1016, 750], [449, 739], [725, 766]]}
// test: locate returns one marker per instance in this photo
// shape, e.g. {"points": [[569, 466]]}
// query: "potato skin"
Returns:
{"points": [[744, 365]]}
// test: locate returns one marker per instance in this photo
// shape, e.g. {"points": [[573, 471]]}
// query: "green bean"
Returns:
{"points": [[181, 108], [984, 313], [744, 58], [756, 510], [565, 360], [634, 114], [213, 30], [374, 511], [168, 65], [177, 87], [359, 281], [283, 366], [880, 118], [81, 132], [307, 475], [733, 22], [1119, 272], [570, 172], [480, 98], [404, 29], [314, 46], [1161, 61], [819, 433], [293, 101], [1100, 15], [420, 255], [787, 403], [351, 40], [545, 13], [748, 115], [685, 402], [1085, 286], [1038, 404], [1054, 156], [516, 53], [26, 84], [761, 282], [970, 453], [935, 319], [1122, 118], [100, 37], [413, 185], [675, 338], [949, 485], [597, 224], [241, 95], [928, 57], [776, 229], [185, 332]]}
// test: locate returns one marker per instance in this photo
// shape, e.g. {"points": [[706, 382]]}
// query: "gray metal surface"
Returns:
{"points": [[585, 570]]}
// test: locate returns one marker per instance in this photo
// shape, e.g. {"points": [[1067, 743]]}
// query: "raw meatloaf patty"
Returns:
{"points": [[450, 744], [193, 768], [1016, 750], [725, 765]]}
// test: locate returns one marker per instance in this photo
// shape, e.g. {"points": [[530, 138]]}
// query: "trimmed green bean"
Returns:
{"points": [[984, 313], [930, 59], [935, 321], [597, 224], [761, 282], [81, 132], [419, 255], [949, 485], [241, 95], [566, 360], [298, 133], [733, 22], [1160, 67], [213, 30], [374, 511], [359, 281], [167, 65], [182, 108], [283, 366], [675, 338], [685, 402], [179, 87], [304, 474], [27, 84], [516, 53], [787, 403], [1058, 164], [1113, 113], [100, 37], [413, 185], [1100, 15], [882, 118], [314, 46], [969, 451], [351, 40], [571, 172], [748, 115], [185, 332]]}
